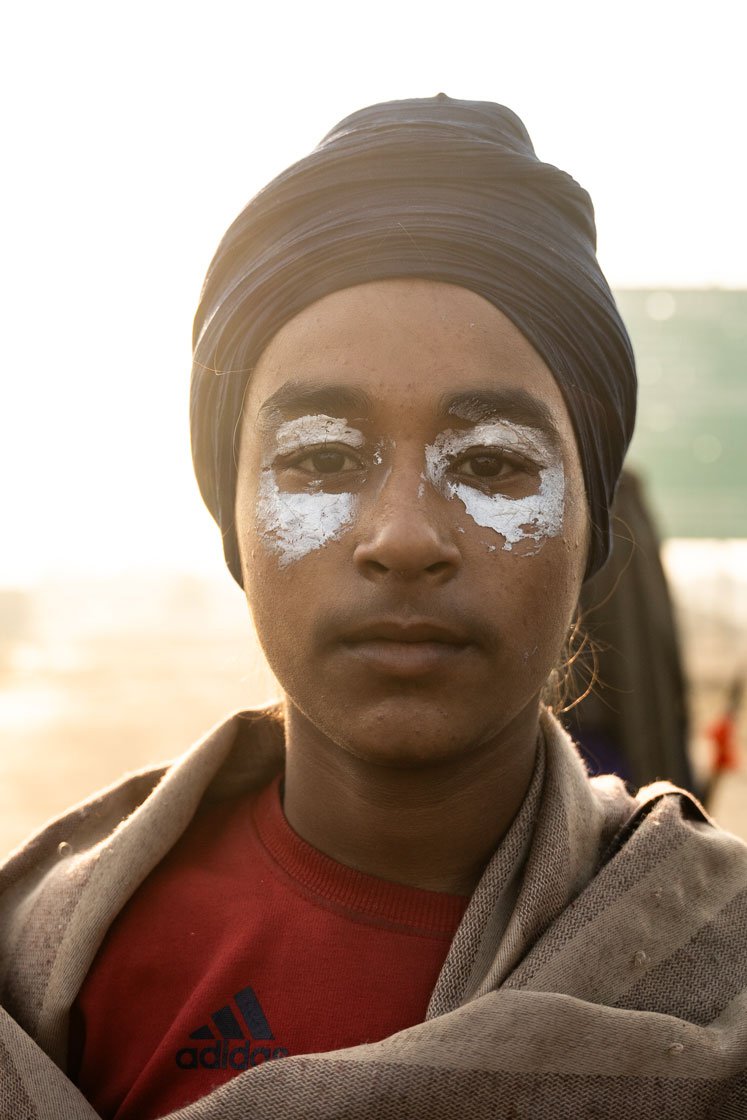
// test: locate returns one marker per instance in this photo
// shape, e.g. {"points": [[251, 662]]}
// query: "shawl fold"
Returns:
{"points": [[607, 979]]}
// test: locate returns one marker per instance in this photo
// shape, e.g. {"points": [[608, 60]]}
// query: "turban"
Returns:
{"points": [[434, 188]]}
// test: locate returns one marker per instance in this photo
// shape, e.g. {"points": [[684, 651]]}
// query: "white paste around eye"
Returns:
{"points": [[294, 523], [533, 517], [311, 431]]}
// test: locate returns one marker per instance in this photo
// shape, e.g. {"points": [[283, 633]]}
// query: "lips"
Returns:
{"points": [[407, 631], [406, 648]]}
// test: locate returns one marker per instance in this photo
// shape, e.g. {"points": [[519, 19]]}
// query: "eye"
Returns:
{"points": [[326, 460], [491, 467], [486, 465]]}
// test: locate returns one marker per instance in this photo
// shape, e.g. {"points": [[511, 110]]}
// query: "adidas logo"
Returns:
{"points": [[222, 1053]]}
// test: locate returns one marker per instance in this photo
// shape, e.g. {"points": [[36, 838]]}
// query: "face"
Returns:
{"points": [[411, 518]]}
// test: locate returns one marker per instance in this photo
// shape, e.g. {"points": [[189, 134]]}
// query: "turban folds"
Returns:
{"points": [[434, 188]]}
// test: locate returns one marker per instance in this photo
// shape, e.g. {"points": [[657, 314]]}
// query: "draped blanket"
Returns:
{"points": [[599, 970]]}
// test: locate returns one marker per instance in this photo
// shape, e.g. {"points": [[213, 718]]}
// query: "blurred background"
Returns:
{"points": [[132, 136]]}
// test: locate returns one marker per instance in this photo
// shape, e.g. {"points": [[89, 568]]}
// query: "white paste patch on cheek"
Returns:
{"points": [[293, 523], [532, 517]]}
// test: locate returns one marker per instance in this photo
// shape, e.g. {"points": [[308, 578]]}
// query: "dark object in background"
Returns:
{"points": [[634, 722]]}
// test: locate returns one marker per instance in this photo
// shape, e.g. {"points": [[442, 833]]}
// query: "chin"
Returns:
{"points": [[406, 734]]}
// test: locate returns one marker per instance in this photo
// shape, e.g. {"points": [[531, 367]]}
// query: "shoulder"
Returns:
{"points": [[151, 806], [234, 754], [669, 823], [60, 892], [661, 924]]}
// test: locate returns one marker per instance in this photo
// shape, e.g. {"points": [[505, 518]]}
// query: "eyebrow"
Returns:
{"points": [[517, 405], [302, 398], [475, 406]]}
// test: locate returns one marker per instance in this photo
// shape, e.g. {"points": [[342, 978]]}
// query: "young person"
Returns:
{"points": [[402, 896]]}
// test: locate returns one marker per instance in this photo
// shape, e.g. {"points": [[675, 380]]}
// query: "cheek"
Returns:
{"points": [[532, 608], [534, 583], [276, 530], [290, 525], [528, 519], [281, 601], [517, 520]]}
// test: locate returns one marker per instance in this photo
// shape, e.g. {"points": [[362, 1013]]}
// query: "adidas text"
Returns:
{"points": [[224, 1056]]}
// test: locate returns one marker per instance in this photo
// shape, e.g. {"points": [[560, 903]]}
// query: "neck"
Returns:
{"points": [[433, 827]]}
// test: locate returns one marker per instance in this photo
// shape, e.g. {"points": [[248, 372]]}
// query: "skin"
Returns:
{"points": [[407, 759]]}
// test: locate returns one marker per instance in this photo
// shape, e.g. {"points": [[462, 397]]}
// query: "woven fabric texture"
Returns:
{"points": [[599, 970]]}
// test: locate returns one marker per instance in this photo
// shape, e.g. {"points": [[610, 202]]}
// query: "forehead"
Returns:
{"points": [[406, 348]]}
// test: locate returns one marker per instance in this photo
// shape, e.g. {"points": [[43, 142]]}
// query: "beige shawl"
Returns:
{"points": [[599, 970]]}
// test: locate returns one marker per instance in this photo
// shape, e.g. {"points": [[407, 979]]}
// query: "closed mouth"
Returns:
{"points": [[407, 632]]}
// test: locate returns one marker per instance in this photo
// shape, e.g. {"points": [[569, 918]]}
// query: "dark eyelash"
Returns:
{"points": [[509, 456], [292, 458]]}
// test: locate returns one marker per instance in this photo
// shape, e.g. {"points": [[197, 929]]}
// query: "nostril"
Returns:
{"points": [[408, 544], [377, 568], [439, 567]]}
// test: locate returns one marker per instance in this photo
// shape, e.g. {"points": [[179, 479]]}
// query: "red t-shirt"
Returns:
{"points": [[243, 946]]}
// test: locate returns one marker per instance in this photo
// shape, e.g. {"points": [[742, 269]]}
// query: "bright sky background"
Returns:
{"points": [[134, 133]]}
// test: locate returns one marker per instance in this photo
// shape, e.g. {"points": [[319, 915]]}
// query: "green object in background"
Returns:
{"points": [[690, 444]]}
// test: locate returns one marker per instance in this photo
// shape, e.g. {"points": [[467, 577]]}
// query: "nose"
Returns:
{"points": [[406, 534]]}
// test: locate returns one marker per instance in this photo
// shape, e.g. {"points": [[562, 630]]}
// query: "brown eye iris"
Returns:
{"points": [[328, 462], [485, 466]]}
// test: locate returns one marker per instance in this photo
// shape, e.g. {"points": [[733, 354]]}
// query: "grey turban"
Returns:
{"points": [[434, 188]]}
